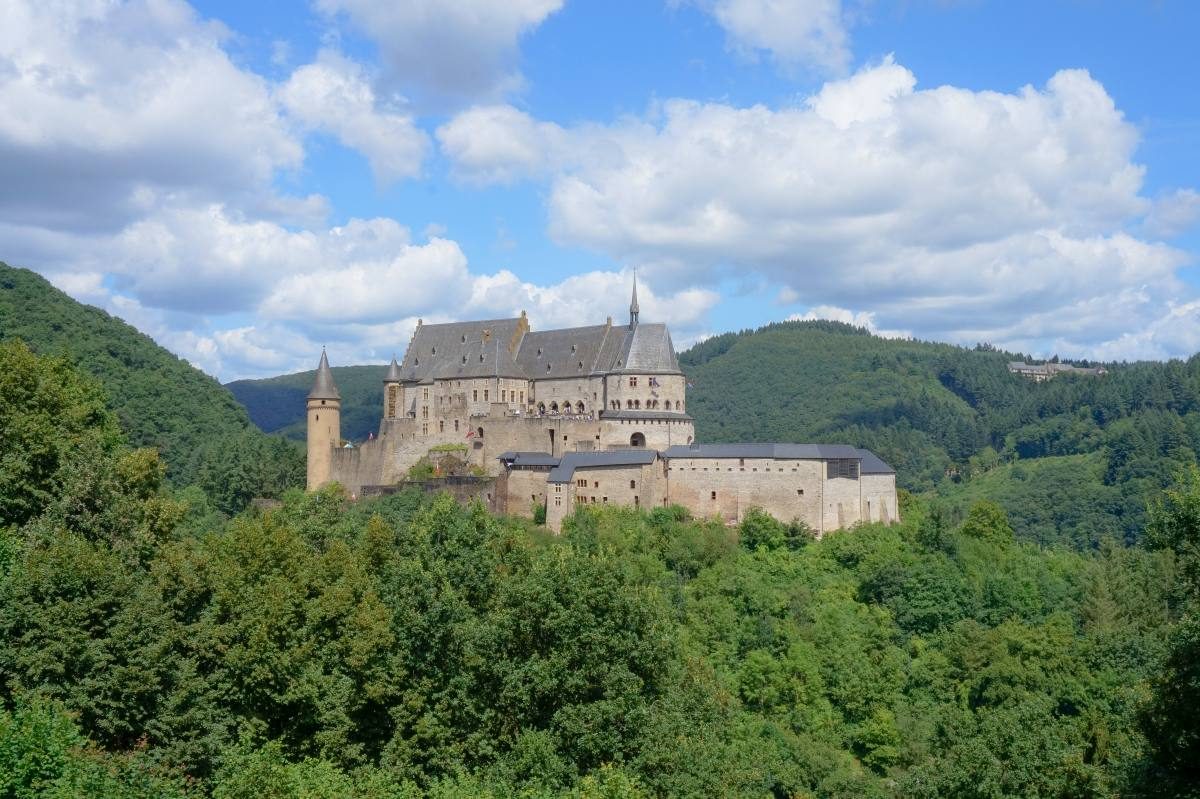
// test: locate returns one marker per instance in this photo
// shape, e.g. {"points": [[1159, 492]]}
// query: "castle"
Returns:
{"points": [[584, 415]]}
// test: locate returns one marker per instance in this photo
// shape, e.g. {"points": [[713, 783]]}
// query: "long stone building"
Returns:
{"points": [[585, 415]]}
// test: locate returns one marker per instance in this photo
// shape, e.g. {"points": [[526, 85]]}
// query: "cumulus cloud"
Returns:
{"points": [[448, 48], [334, 95], [796, 33], [945, 211], [863, 319], [1174, 213], [112, 106]]}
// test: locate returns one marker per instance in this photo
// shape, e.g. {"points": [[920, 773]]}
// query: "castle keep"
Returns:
{"points": [[579, 416]]}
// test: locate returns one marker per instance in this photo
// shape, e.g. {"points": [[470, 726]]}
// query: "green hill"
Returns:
{"points": [[161, 401], [276, 404]]}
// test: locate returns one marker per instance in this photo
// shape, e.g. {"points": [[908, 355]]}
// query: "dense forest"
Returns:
{"points": [[160, 401], [408, 646]]}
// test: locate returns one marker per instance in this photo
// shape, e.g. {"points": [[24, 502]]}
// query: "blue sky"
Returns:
{"points": [[249, 182]]}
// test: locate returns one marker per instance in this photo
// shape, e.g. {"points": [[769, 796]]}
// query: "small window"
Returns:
{"points": [[714, 495], [475, 395], [596, 484], [485, 395], [605, 500], [464, 339], [433, 350], [572, 348], [800, 492], [633, 483], [633, 382], [481, 357]]}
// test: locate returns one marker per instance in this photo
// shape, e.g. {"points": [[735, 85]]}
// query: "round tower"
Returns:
{"points": [[324, 425]]}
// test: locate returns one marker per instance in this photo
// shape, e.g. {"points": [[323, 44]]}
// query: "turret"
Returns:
{"points": [[392, 396], [633, 305], [324, 425]]}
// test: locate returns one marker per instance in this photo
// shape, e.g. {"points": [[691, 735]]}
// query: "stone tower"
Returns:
{"points": [[324, 425]]}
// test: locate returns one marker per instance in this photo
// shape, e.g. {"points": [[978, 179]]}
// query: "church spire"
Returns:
{"points": [[633, 305], [323, 387]]}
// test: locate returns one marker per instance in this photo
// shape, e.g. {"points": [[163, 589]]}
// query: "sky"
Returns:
{"points": [[250, 182]]}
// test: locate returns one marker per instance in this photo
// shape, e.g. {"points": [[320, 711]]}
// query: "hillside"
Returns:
{"points": [[1072, 459], [276, 404], [161, 401]]}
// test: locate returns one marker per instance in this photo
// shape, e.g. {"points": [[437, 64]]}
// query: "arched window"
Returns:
{"points": [[541, 407], [629, 404], [637, 404], [579, 407], [678, 405], [554, 407], [637, 440], [479, 432]]}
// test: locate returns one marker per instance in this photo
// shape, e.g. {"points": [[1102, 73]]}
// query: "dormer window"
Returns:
{"points": [[547, 367], [481, 357], [464, 359], [581, 364], [539, 352], [433, 350], [416, 361], [572, 348], [464, 339]]}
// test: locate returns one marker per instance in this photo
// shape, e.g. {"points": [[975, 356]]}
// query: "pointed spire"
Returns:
{"points": [[323, 387], [633, 305], [393, 372]]}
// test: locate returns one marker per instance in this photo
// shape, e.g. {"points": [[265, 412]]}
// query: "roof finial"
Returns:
{"points": [[633, 305]]}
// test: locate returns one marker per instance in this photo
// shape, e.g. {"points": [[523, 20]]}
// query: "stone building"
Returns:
{"points": [[582, 415]]}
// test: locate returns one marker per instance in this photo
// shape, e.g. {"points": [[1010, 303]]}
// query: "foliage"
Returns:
{"points": [[407, 646], [159, 400]]}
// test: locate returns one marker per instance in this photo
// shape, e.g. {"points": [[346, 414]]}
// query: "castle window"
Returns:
{"points": [[799, 492], [522, 397], [714, 495], [636, 501], [464, 339], [547, 367], [479, 432], [424, 429], [633, 483], [581, 483], [596, 484], [433, 350], [572, 348], [539, 352], [581, 364], [481, 357], [485, 395], [475, 395], [456, 425], [606, 500], [633, 382], [425, 394], [464, 359], [441, 426], [741, 461], [558, 502]]}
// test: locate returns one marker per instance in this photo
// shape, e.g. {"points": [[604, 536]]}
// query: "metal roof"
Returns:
{"points": [[565, 471]]}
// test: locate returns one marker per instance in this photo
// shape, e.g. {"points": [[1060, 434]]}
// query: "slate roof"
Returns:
{"points": [[461, 350], [323, 386], [528, 458], [643, 415], [565, 471], [481, 349], [873, 464], [393, 372], [776, 451]]}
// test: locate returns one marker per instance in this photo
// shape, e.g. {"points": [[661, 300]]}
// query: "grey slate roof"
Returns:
{"points": [[481, 349], [641, 415], [323, 387], [461, 350], [393, 372], [650, 350], [528, 458], [776, 451], [565, 471], [873, 464]]}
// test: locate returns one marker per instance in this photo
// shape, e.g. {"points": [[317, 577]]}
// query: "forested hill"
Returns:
{"points": [[1072, 458], [276, 404], [203, 434]]}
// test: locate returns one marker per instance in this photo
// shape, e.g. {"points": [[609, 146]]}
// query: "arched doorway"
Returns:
{"points": [[637, 440]]}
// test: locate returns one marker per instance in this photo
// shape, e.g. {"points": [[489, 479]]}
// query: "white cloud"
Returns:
{"points": [[1174, 213], [499, 144], [957, 214], [455, 48], [334, 95], [796, 33], [112, 106], [863, 319]]}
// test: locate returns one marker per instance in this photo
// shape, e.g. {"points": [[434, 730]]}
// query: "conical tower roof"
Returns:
{"points": [[323, 387], [393, 372], [633, 305]]}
